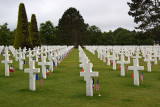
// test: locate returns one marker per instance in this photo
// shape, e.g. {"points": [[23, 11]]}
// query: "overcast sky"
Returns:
{"points": [[105, 14]]}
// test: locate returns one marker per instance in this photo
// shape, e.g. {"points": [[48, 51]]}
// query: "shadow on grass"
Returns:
{"points": [[84, 97], [25, 90], [144, 86]]}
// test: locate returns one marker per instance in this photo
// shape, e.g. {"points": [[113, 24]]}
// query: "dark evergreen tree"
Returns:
{"points": [[33, 32], [71, 28], [47, 33], [6, 36], [22, 38], [95, 35], [146, 13]]}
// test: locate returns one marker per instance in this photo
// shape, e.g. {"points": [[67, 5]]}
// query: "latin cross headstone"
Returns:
{"points": [[55, 58], [20, 58], [84, 61], [43, 64], [51, 61], [30, 55], [136, 69], [32, 71], [148, 60], [114, 58], [6, 62], [88, 75], [137, 56], [122, 62], [155, 57], [37, 55], [16, 55]]}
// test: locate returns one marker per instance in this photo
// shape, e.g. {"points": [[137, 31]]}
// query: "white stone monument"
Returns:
{"points": [[6, 62], [21, 58], [114, 58], [30, 55], [148, 60], [32, 71], [37, 55], [122, 62], [43, 64], [88, 75], [51, 61], [136, 69]]}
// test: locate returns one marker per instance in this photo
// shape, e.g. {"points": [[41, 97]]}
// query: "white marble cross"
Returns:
{"points": [[148, 60], [122, 62], [37, 55], [84, 61], [6, 62], [114, 58], [16, 55], [155, 57], [55, 58], [20, 58], [30, 55], [24, 52], [137, 56], [43, 64], [136, 69], [50, 56], [32, 71], [108, 57], [88, 75], [104, 55]]}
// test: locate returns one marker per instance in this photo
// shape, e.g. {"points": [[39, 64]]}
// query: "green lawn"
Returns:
{"points": [[65, 87]]}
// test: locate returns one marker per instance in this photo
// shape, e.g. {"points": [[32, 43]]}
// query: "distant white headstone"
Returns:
{"points": [[6, 62], [21, 58], [136, 69], [148, 60], [122, 62], [43, 64]]}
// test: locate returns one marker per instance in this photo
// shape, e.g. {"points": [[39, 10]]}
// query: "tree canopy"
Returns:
{"points": [[71, 28], [146, 13], [33, 31], [22, 38], [47, 33], [6, 36]]}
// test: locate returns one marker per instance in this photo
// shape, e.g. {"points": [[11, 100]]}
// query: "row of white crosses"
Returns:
{"points": [[88, 73], [31, 70], [6, 61], [148, 54]]}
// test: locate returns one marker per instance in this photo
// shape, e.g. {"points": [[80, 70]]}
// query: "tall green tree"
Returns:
{"points": [[71, 28], [95, 35], [22, 38], [6, 36], [33, 31], [47, 33], [146, 14], [108, 38]]}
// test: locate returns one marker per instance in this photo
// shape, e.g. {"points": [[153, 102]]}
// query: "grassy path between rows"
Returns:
{"points": [[65, 87], [120, 91]]}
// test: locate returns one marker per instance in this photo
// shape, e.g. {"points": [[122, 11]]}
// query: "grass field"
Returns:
{"points": [[65, 87]]}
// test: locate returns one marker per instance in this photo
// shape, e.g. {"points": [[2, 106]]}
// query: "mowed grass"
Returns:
{"points": [[65, 87]]}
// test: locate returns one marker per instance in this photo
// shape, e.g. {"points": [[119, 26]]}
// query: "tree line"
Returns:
{"points": [[94, 36], [72, 30]]}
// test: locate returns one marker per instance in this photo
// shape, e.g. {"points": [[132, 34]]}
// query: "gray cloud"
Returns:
{"points": [[106, 14]]}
